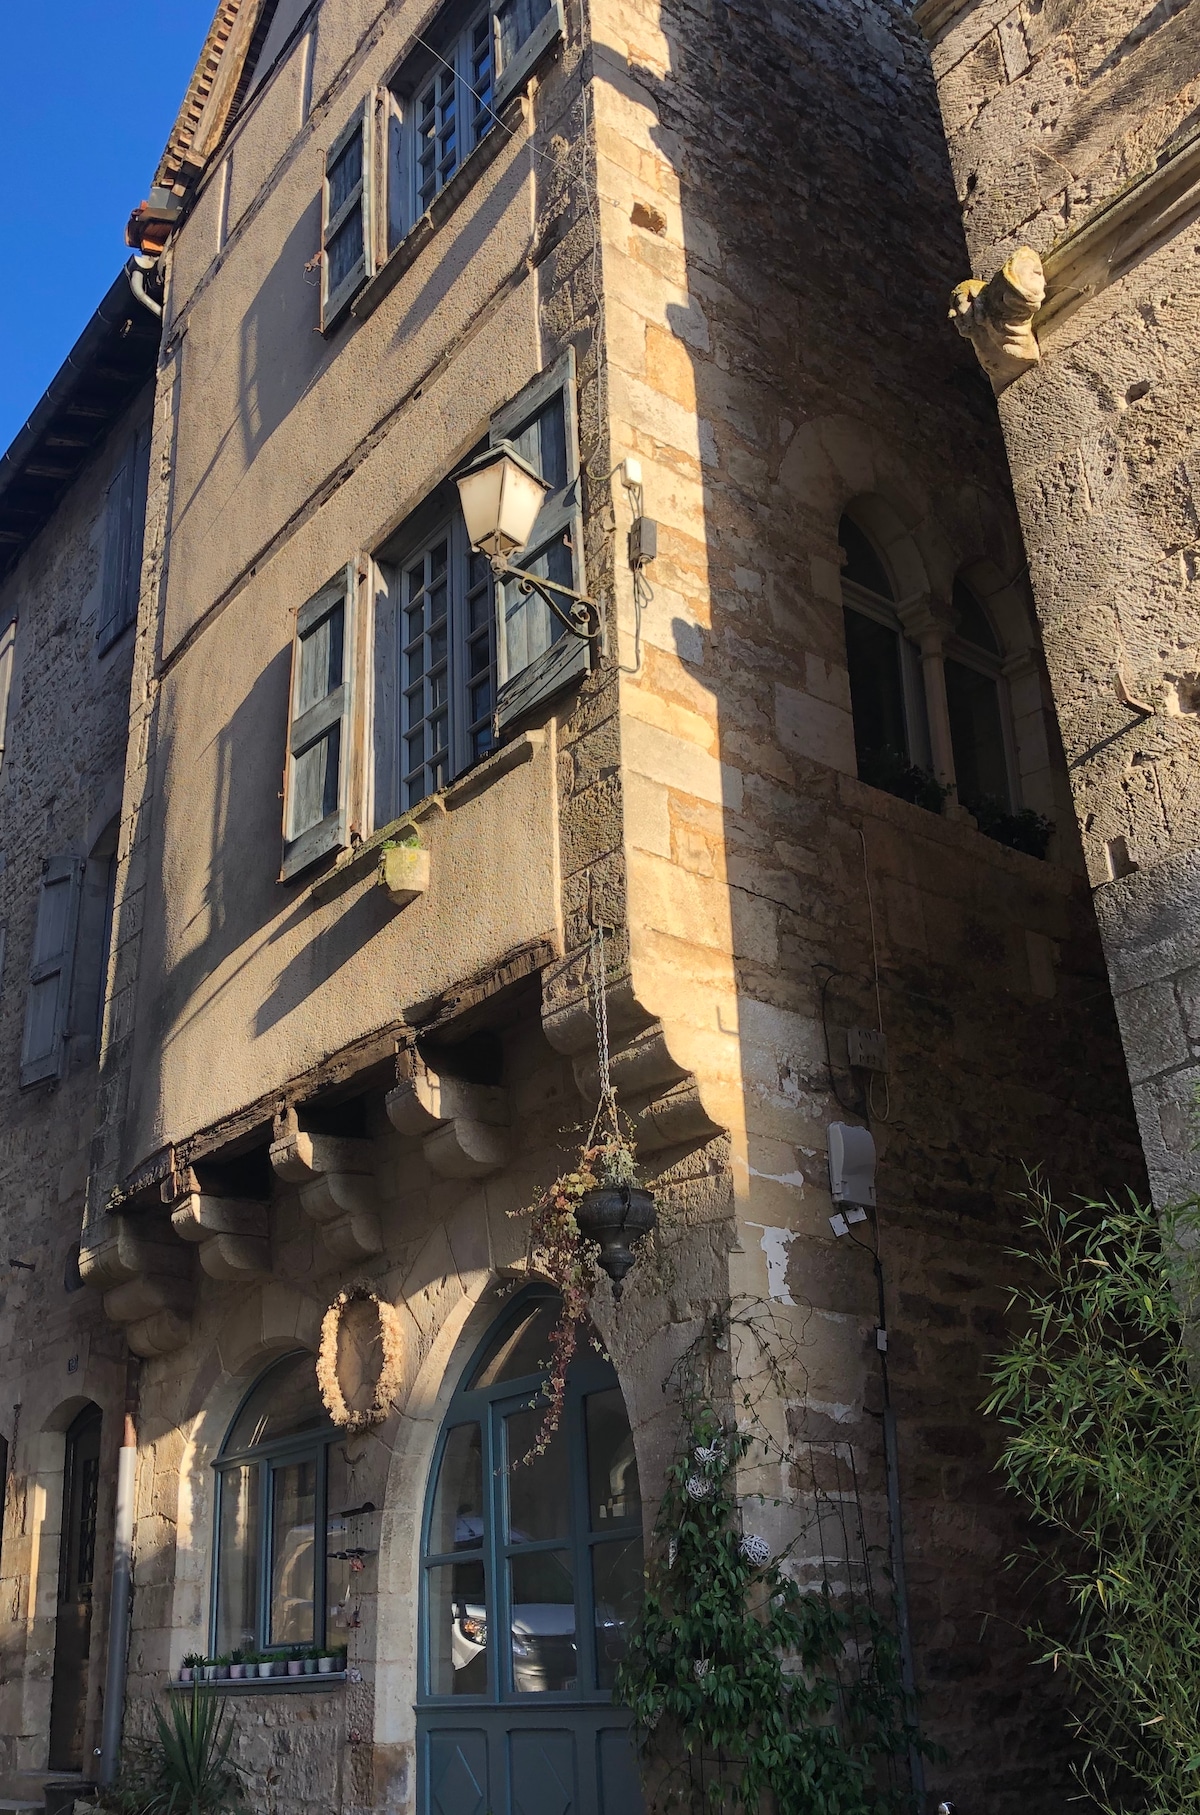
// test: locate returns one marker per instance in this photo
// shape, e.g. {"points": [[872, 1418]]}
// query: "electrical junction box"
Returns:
{"points": [[851, 1165], [643, 542], [866, 1048]]}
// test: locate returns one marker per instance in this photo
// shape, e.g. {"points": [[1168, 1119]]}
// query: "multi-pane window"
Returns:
{"points": [[448, 95], [446, 618], [280, 1487]]}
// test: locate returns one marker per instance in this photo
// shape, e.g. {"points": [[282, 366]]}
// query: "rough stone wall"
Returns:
{"points": [[773, 308], [60, 786], [1052, 112]]}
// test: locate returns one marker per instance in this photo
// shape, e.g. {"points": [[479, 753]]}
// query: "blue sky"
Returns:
{"points": [[89, 90]]}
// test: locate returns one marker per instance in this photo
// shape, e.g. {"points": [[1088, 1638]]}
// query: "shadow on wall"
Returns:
{"points": [[281, 350], [805, 340]]}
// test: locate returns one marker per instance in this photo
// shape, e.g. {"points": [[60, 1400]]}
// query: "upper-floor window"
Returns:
{"points": [[8, 653], [886, 690], [408, 665], [440, 105], [975, 698]]}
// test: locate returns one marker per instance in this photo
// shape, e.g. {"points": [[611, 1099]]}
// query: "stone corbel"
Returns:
{"points": [[660, 1097], [997, 316], [232, 1234], [463, 1128], [146, 1279], [335, 1178]]}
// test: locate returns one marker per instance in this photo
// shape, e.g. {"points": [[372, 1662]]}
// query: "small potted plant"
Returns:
{"points": [[223, 1667], [237, 1665], [295, 1666], [266, 1664], [209, 1669], [192, 1662], [325, 1663], [310, 1661], [613, 1210]]}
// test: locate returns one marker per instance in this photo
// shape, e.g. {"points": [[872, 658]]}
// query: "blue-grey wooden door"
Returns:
{"points": [[532, 1575]]}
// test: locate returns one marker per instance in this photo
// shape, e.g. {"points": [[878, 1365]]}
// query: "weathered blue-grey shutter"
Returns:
{"points": [[49, 996], [321, 726], [124, 529], [525, 30], [536, 655], [347, 234]]}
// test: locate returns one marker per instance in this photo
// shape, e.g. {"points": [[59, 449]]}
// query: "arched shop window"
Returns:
{"points": [[976, 697], [280, 1483], [886, 688], [531, 1578]]}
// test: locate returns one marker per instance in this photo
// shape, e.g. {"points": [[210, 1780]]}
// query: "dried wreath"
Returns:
{"points": [[391, 1372]]}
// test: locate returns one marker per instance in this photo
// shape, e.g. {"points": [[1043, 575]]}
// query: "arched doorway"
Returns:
{"points": [[76, 1575], [531, 1577]]}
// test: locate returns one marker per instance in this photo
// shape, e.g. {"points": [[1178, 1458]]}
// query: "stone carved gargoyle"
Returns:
{"points": [[997, 317]]}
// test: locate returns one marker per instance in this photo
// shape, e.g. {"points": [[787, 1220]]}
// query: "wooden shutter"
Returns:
{"points": [[322, 757], [536, 655], [525, 30], [48, 1002], [347, 237], [124, 528]]}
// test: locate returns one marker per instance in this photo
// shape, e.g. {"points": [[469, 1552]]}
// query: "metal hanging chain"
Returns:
{"points": [[599, 970]]}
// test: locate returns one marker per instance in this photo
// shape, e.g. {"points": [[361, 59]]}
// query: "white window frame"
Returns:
{"points": [[912, 680]]}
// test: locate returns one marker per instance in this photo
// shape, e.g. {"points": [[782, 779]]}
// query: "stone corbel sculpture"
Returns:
{"points": [[335, 1177], [463, 1127], [997, 316]]}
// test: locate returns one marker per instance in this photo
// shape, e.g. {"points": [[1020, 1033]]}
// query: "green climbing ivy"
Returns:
{"points": [[746, 1684]]}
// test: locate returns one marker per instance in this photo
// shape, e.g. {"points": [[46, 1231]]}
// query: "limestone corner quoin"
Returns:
{"points": [[715, 239]]}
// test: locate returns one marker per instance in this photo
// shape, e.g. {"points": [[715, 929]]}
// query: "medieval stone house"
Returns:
{"points": [[1072, 130], [393, 828]]}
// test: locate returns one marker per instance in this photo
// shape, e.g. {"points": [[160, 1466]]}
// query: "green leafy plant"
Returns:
{"points": [[755, 1691], [890, 770], [1099, 1401], [1023, 830], [194, 1660], [188, 1768]]}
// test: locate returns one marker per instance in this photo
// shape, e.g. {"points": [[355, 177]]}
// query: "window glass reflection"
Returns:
{"points": [[617, 1587], [293, 1508], [458, 1632], [614, 1492], [538, 1490], [544, 1654], [237, 1560], [457, 1522], [523, 1351]]}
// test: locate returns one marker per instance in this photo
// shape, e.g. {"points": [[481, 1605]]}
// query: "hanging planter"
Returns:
{"points": [[616, 1217]]}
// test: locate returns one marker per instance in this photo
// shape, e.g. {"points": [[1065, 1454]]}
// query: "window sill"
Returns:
{"points": [[358, 863], [266, 1685], [405, 254]]}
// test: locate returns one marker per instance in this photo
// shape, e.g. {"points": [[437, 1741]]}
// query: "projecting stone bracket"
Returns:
{"points": [[660, 1096], [335, 1177], [463, 1128], [232, 1234], [146, 1278]]}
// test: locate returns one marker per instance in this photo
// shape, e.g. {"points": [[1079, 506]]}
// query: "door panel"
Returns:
{"points": [[542, 1773], [456, 1773], [619, 1781]]}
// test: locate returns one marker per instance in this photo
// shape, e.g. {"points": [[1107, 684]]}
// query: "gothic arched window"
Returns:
{"points": [[886, 689], [976, 698]]}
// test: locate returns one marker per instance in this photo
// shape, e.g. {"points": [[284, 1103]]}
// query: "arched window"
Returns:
{"points": [[277, 1477], [532, 1574], [975, 696], [886, 690]]}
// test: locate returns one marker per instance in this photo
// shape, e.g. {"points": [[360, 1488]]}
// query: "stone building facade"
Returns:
{"points": [[72, 497], [1071, 129], [352, 1026]]}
